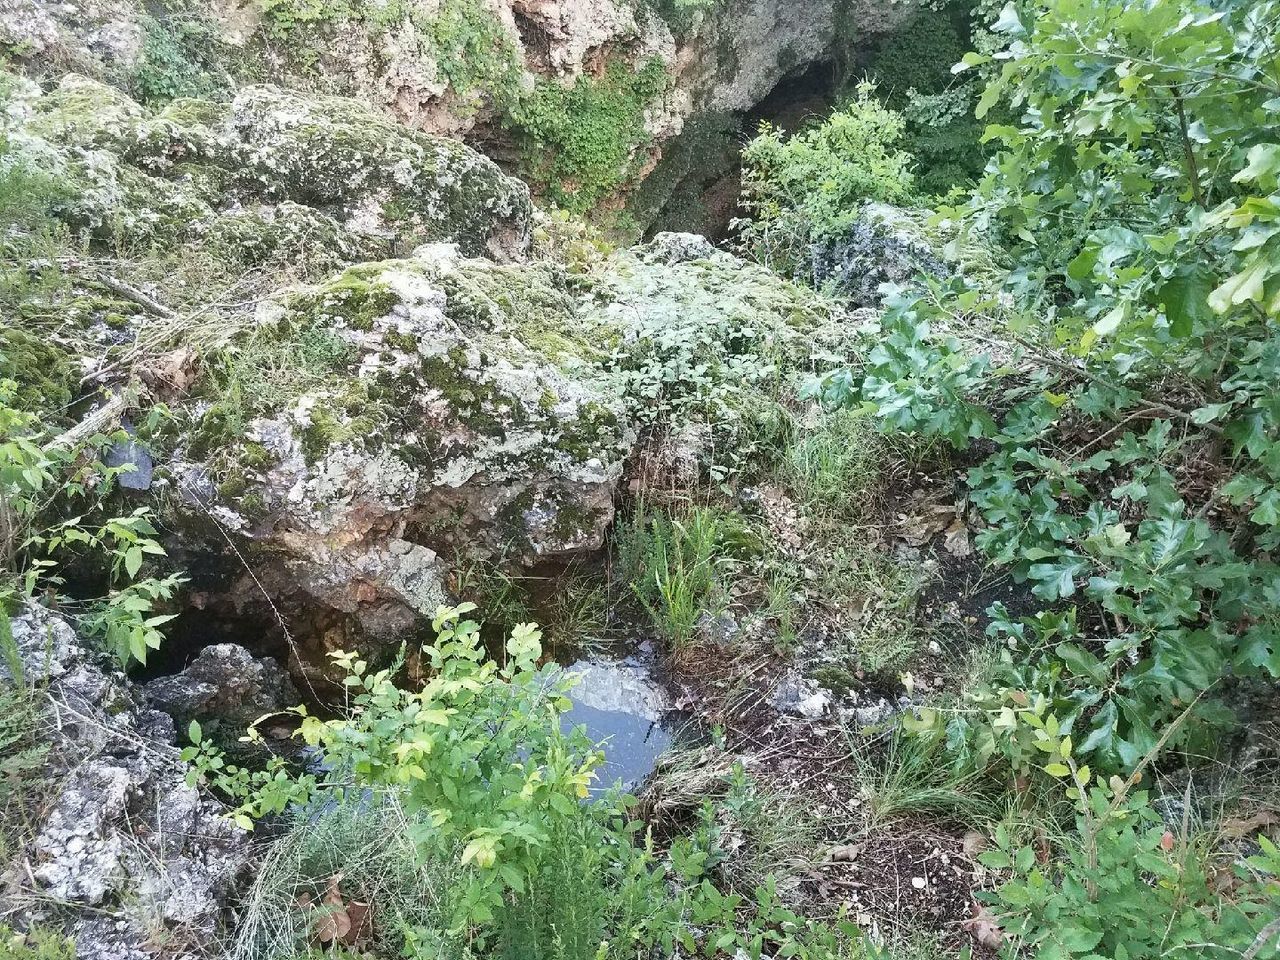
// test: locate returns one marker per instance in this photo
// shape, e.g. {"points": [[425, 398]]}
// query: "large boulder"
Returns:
{"points": [[271, 171], [401, 412]]}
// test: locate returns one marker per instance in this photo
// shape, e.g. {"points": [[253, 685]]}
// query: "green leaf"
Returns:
{"points": [[193, 732], [1263, 160], [1185, 298]]}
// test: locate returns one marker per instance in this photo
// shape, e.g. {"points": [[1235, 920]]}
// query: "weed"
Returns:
{"points": [[675, 565], [835, 468], [174, 55], [777, 834], [900, 774], [37, 943], [367, 840], [22, 752], [875, 598]]}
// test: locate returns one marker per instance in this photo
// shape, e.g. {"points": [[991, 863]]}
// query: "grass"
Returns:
{"points": [[835, 467], [676, 564], [23, 755], [777, 833], [875, 596], [367, 840], [900, 775], [37, 943]]}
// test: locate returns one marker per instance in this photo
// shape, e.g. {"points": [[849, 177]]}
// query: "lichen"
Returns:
{"points": [[273, 173]]}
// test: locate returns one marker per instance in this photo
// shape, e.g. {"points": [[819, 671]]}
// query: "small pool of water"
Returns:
{"points": [[626, 712]]}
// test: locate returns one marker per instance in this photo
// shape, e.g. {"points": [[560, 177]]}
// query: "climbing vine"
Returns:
{"points": [[583, 142]]}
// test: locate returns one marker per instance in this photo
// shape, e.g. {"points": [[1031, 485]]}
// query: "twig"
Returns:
{"points": [[130, 292], [1272, 929]]}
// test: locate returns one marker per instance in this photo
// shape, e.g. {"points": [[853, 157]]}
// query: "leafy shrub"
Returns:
{"points": [[1125, 886], [811, 185], [912, 73], [582, 142], [497, 806], [174, 51], [41, 482], [1134, 475]]}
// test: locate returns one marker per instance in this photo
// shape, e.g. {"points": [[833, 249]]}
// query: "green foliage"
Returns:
{"points": [[1137, 200], [675, 565], [810, 186], [912, 72], [581, 143], [463, 38], [1123, 868], [36, 943], [42, 484], [175, 60], [285, 16], [498, 813]]}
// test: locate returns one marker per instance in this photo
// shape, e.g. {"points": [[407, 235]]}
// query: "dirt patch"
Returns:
{"points": [[911, 875]]}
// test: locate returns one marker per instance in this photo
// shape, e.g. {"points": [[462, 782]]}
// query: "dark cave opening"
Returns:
{"points": [[696, 187]]}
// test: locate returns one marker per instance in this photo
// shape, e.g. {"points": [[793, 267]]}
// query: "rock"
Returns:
{"points": [[884, 246], [272, 173], [129, 452], [719, 630], [463, 408], [722, 59], [224, 682], [46, 644], [126, 849], [802, 697]]}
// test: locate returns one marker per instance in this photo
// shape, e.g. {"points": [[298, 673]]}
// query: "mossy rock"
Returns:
{"points": [[141, 177], [46, 375], [442, 385]]}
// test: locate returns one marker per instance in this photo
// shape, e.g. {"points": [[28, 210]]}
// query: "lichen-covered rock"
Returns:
{"points": [[225, 682], [402, 410], [456, 67], [703, 330], [124, 836], [885, 245], [272, 171]]}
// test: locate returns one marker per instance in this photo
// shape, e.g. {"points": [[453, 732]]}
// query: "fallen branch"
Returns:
{"points": [[98, 421]]}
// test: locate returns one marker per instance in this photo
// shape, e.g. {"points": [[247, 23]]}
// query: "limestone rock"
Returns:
{"points": [[886, 245], [125, 844], [452, 404], [272, 170], [226, 682]]}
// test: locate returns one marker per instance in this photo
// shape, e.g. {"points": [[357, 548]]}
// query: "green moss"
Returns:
{"points": [[46, 376], [582, 143]]}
